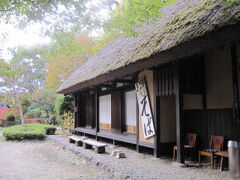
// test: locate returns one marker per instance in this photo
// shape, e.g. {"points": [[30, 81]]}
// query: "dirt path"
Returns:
{"points": [[56, 159], [43, 160]]}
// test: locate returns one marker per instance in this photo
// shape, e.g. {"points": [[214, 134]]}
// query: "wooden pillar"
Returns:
{"points": [[135, 77], [75, 110], [179, 115], [236, 86], [97, 111], [156, 114], [204, 99], [137, 128]]}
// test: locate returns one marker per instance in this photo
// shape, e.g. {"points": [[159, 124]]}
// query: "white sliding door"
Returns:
{"points": [[105, 112], [130, 111]]}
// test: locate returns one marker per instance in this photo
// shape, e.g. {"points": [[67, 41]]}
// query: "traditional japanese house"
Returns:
{"points": [[186, 71]]}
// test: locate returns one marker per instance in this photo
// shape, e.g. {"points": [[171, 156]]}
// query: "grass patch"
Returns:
{"points": [[28, 132]]}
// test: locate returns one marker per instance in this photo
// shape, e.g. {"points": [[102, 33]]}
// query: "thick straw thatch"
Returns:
{"points": [[185, 22]]}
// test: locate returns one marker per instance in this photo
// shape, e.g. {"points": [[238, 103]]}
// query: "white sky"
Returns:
{"points": [[17, 37], [31, 36]]}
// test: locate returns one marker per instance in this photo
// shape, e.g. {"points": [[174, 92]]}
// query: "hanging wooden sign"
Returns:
{"points": [[145, 112]]}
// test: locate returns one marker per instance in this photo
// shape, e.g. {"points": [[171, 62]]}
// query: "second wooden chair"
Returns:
{"points": [[189, 144], [216, 145]]}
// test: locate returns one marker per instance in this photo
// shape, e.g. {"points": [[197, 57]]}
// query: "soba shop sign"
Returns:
{"points": [[145, 112]]}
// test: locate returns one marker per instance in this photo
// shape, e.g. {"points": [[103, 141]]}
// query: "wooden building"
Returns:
{"points": [[190, 62]]}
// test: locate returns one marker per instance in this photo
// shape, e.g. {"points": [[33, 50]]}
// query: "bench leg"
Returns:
{"points": [[173, 154], [221, 164], [71, 141], [87, 146], [199, 159], [99, 150], [79, 143], [212, 162], [138, 148]]}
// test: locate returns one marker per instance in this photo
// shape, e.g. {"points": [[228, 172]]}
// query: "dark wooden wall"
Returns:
{"points": [[86, 111], [117, 111], [90, 111], [211, 122]]}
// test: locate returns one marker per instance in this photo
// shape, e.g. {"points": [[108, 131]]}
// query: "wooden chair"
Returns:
{"points": [[189, 144], [216, 145]]}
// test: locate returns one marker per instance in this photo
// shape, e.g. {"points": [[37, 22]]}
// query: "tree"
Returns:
{"points": [[10, 83], [132, 14], [55, 14], [43, 99], [67, 52], [34, 62], [25, 101], [64, 104], [105, 39], [231, 2]]}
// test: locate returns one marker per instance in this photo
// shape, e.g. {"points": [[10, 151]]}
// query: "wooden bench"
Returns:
{"points": [[78, 140], [97, 146]]}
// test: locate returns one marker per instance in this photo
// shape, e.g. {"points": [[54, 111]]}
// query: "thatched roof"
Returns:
{"points": [[185, 22]]}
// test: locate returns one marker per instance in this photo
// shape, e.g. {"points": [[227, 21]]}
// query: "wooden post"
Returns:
{"points": [[75, 110], [236, 86], [137, 129], [179, 114], [137, 118], [156, 115], [204, 98], [97, 112]]}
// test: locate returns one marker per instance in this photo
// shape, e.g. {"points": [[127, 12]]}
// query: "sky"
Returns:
{"points": [[16, 37], [31, 35]]}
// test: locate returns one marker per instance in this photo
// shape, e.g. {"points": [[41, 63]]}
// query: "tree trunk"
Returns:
{"points": [[20, 110]]}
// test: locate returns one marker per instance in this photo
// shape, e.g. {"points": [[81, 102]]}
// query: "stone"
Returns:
{"points": [[118, 154], [114, 152]]}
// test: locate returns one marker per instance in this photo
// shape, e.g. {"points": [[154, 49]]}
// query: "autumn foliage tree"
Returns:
{"points": [[68, 52]]}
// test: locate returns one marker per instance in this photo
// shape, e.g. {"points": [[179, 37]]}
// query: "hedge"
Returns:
{"points": [[28, 132]]}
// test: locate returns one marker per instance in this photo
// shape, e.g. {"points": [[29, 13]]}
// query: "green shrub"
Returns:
{"points": [[10, 117], [28, 132], [35, 111], [67, 121], [12, 123], [3, 123], [63, 105], [49, 129]]}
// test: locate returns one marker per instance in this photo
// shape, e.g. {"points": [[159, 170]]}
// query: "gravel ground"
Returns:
{"points": [[140, 166], [44, 161]]}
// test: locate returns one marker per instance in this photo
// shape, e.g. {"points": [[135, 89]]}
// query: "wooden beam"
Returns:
{"points": [[122, 88], [111, 86], [156, 114], [179, 115], [125, 81]]}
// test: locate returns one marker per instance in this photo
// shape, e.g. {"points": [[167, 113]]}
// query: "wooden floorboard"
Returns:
{"points": [[86, 130], [124, 137]]}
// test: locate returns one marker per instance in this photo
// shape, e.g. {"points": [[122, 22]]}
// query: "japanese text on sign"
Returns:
{"points": [[145, 112]]}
